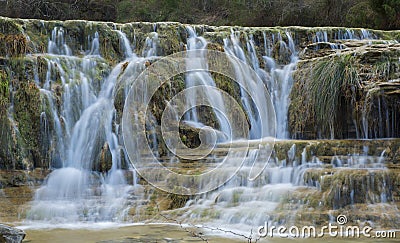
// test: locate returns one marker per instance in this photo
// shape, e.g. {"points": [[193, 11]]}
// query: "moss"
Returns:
{"points": [[13, 45], [170, 38], [334, 95], [4, 92], [315, 205], [5, 135], [27, 115], [342, 187], [331, 80], [177, 201]]}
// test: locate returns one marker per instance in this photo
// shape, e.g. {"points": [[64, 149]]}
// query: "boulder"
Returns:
{"points": [[11, 235]]}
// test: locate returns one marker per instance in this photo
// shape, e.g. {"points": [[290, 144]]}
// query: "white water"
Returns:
{"points": [[126, 44], [280, 82], [259, 115], [242, 206], [86, 121], [202, 78]]}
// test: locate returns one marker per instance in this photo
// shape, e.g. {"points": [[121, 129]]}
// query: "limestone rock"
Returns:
{"points": [[11, 235]]}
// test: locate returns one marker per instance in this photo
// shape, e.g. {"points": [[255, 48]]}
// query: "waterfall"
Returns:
{"points": [[280, 82], [126, 44], [92, 179], [242, 205], [259, 116], [85, 121], [151, 45], [57, 43], [196, 78], [278, 78]]}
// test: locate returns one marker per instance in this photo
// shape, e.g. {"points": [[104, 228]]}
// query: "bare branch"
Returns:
{"points": [[198, 235], [192, 233]]}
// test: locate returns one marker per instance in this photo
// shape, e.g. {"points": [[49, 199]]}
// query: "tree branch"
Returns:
{"points": [[198, 235]]}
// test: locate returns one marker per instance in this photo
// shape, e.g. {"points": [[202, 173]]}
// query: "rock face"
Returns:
{"points": [[352, 92], [11, 235]]}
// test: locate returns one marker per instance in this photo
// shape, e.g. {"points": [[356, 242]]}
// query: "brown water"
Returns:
{"points": [[160, 233], [14, 201], [137, 233]]}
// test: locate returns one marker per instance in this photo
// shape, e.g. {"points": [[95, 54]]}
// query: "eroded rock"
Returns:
{"points": [[11, 235]]}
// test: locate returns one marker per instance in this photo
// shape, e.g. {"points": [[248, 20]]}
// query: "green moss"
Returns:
{"points": [[330, 80], [177, 201], [27, 108], [322, 94], [13, 45], [4, 92], [5, 136], [10, 26]]}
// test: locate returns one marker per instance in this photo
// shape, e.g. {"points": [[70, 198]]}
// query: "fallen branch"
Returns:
{"points": [[192, 233], [198, 235]]}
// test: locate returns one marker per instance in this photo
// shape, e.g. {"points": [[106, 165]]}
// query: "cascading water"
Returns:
{"points": [[280, 82], [85, 122], [197, 78], [241, 206], [278, 78], [260, 117], [85, 126], [126, 45], [244, 205]]}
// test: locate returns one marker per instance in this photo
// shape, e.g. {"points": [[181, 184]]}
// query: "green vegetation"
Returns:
{"points": [[388, 11], [4, 92], [323, 92], [379, 14], [346, 95], [27, 114], [331, 79], [60, 9], [4, 124], [12, 45]]}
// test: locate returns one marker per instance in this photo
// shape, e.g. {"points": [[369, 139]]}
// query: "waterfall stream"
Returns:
{"points": [[196, 78], [93, 179], [85, 122]]}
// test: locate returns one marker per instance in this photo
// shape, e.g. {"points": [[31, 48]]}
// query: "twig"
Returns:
{"points": [[195, 234], [248, 238]]}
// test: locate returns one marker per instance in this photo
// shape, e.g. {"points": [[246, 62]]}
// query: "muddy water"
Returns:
{"points": [[137, 233], [14, 202], [158, 233]]}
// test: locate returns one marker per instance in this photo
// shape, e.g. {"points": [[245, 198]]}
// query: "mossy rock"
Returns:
{"points": [[356, 79], [27, 115]]}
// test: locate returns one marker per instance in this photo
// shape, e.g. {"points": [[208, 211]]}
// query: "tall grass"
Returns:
{"points": [[331, 79]]}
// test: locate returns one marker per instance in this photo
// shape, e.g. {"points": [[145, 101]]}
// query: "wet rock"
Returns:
{"points": [[360, 87], [104, 162], [11, 235], [17, 178]]}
